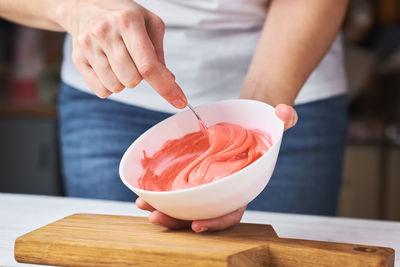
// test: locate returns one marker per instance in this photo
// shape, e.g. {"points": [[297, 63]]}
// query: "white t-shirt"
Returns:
{"points": [[208, 46]]}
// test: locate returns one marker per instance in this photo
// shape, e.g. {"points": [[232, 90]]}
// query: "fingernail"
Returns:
{"points": [[202, 229], [294, 120], [151, 219], [181, 100], [179, 103]]}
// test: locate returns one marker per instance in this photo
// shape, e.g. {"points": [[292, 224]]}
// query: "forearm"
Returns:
{"points": [[295, 37], [40, 14]]}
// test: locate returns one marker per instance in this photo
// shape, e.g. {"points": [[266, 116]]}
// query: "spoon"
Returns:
{"points": [[202, 125]]}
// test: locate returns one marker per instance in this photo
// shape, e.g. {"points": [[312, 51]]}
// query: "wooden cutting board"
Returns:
{"points": [[106, 240]]}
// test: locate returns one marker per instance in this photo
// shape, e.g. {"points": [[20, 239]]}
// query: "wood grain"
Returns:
{"points": [[105, 240]]}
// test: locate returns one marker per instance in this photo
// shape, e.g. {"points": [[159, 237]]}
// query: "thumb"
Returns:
{"points": [[287, 114]]}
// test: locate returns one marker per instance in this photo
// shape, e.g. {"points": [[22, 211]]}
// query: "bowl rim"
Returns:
{"points": [[198, 187]]}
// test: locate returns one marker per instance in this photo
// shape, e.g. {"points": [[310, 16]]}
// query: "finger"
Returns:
{"points": [[219, 223], [159, 218], [90, 76], [122, 65], [150, 68], [143, 205], [100, 64], [117, 54], [86, 45], [287, 114], [156, 30]]}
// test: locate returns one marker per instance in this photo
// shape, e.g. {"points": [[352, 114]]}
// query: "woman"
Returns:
{"points": [[289, 50]]}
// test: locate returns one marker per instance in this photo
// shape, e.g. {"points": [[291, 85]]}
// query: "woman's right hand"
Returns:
{"points": [[117, 44]]}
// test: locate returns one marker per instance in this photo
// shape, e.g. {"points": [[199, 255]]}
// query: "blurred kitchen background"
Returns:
{"points": [[29, 80]]}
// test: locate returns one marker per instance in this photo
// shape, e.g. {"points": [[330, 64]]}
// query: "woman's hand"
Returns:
{"points": [[116, 44], [289, 116]]}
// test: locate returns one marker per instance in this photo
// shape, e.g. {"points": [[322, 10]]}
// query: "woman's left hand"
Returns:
{"points": [[289, 117]]}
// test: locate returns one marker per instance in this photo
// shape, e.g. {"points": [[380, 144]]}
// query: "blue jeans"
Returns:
{"points": [[95, 133]]}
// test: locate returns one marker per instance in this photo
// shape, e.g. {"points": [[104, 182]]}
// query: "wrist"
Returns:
{"points": [[61, 13], [272, 94]]}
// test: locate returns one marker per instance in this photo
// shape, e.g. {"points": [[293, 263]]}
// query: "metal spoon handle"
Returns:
{"points": [[202, 125], [194, 111]]}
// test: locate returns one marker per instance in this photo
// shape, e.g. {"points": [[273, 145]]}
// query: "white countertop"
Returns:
{"points": [[20, 214]]}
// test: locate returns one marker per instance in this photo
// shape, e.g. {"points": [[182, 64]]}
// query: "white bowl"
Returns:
{"points": [[216, 198]]}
